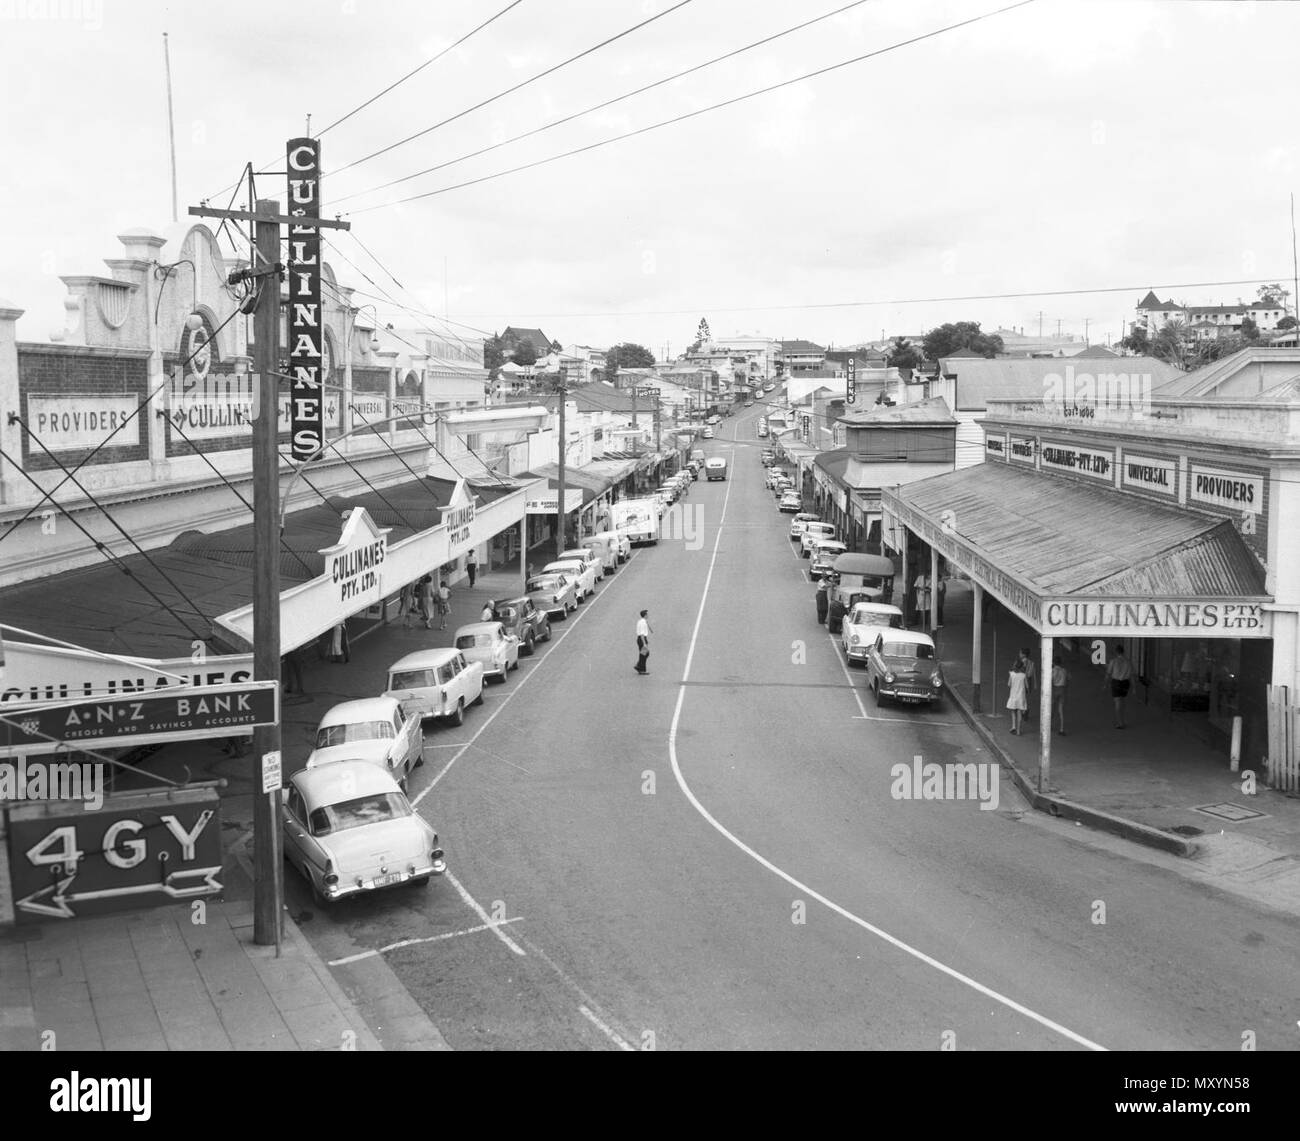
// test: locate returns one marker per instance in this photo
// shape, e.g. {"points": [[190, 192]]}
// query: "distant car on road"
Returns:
{"points": [[582, 572], [593, 555], [790, 502], [903, 665], [714, 419], [436, 683], [553, 593], [349, 829], [707, 433], [799, 522], [769, 387], [525, 620], [371, 729], [814, 533], [488, 644], [823, 557]]}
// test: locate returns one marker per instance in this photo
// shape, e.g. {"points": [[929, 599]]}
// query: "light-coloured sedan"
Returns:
{"points": [[582, 572], [349, 829], [863, 623], [798, 523], [790, 501], [373, 729], [554, 593], [490, 645]]}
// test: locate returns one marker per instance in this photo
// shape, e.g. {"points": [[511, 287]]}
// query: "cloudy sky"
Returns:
{"points": [[1062, 145]]}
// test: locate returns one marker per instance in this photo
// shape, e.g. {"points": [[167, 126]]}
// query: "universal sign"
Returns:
{"points": [[306, 337]]}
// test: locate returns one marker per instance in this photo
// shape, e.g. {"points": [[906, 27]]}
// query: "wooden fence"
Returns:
{"points": [[1283, 740]]}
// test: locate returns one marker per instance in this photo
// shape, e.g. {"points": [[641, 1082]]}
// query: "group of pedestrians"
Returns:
{"points": [[424, 601], [1022, 684]]}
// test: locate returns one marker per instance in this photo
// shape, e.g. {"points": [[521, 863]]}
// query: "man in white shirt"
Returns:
{"points": [[643, 633], [489, 611]]}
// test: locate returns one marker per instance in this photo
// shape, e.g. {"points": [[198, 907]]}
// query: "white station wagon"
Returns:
{"points": [[436, 683], [374, 729]]}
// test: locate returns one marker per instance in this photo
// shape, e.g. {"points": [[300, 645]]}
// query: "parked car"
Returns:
{"points": [[814, 532], [525, 620], [769, 386], [714, 419], [591, 554], [857, 578], [768, 457], [799, 522], [707, 433], [553, 594], [605, 544], [436, 683], [749, 404], [618, 541], [823, 557], [670, 493], [790, 501], [373, 729], [863, 623], [349, 829], [775, 475], [580, 570], [488, 644], [903, 665]]}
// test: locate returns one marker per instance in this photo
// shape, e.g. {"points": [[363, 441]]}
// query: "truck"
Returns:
{"points": [[698, 456], [716, 468], [638, 519]]}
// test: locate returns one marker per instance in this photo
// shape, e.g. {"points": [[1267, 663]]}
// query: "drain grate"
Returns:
{"points": [[1187, 830], [1226, 811]]}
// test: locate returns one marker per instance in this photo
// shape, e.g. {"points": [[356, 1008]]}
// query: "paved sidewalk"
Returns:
{"points": [[1145, 782]]}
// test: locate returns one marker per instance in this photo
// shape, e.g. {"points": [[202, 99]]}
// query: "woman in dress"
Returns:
{"points": [[1017, 700]]}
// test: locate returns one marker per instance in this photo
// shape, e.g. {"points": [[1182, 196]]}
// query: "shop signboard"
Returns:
{"points": [[78, 423], [128, 720], [37, 673], [1231, 489], [547, 502], [995, 445], [1157, 618], [355, 564], [1157, 475], [306, 328], [135, 850], [220, 405], [1021, 448], [1073, 459]]}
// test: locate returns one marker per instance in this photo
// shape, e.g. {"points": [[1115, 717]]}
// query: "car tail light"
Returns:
{"points": [[437, 854]]}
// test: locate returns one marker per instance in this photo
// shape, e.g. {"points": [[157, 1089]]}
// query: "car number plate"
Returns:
{"points": [[388, 880]]}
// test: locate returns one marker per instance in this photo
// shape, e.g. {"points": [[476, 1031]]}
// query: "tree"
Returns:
{"points": [[1170, 344], [1138, 341], [1287, 322], [1273, 296], [958, 337], [525, 352], [1215, 348], [556, 347], [493, 354], [904, 354], [702, 334], [629, 355], [1249, 331], [611, 368]]}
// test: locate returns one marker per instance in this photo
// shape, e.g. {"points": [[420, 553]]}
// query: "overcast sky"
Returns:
{"points": [[1062, 145]]}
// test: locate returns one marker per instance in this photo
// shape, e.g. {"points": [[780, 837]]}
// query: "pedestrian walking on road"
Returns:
{"points": [[1060, 683], [643, 633], [424, 597], [443, 603], [1119, 675], [1016, 696], [823, 600], [471, 568]]}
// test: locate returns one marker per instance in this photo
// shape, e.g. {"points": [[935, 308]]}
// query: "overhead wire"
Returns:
{"points": [[697, 112], [518, 86], [607, 103]]}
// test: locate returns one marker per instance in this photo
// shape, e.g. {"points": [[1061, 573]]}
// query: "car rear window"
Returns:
{"points": [[411, 679], [469, 641], [330, 735], [507, 613], [359, 812]]}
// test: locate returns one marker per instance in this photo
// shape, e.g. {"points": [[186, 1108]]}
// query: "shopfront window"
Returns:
{"points": [[1200, 675]]}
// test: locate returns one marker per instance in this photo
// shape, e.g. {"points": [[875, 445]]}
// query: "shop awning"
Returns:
{"points": [[1038, 541]]}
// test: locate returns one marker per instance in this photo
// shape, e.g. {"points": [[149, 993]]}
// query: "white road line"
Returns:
{"points": [[498, 706], [907, 720], [871, 928], [612, 1035], [493, 924], [848, 677], [589, 1007], [415, 942]]}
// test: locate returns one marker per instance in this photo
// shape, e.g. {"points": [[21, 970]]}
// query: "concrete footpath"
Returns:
{"points": [[1159, 782], [158, 979]]}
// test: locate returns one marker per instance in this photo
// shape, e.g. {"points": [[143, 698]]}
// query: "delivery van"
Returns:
{"points": [[716, 468]]}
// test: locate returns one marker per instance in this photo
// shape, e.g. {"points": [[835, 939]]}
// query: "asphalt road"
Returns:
{"points": [[711, 856]]}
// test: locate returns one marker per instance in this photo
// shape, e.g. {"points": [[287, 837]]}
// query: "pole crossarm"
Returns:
{"points": [[299, 220]]}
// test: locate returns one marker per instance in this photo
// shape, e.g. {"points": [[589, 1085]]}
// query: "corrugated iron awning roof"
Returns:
{"points": [[1061, 537]]}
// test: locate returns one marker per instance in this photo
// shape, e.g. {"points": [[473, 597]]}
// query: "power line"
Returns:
{"points": [[518, 86], [700, 111], [391, 86], [607, 103]]}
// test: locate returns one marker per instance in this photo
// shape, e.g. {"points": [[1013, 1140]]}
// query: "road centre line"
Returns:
{"points": [[609, 1033], [848, 677], [493, 924], [589, 1008], [871, 928], [415, 942]]}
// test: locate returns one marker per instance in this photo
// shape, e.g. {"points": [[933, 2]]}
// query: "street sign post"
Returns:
{"points": [[130, 719]]}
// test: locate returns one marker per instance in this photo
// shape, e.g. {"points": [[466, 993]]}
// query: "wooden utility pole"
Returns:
{"points": [[560, 529], [265, 273]]}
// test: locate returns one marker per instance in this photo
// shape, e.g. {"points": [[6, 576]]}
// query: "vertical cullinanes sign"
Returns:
{"points": [[851, 388], [306, 334]]}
